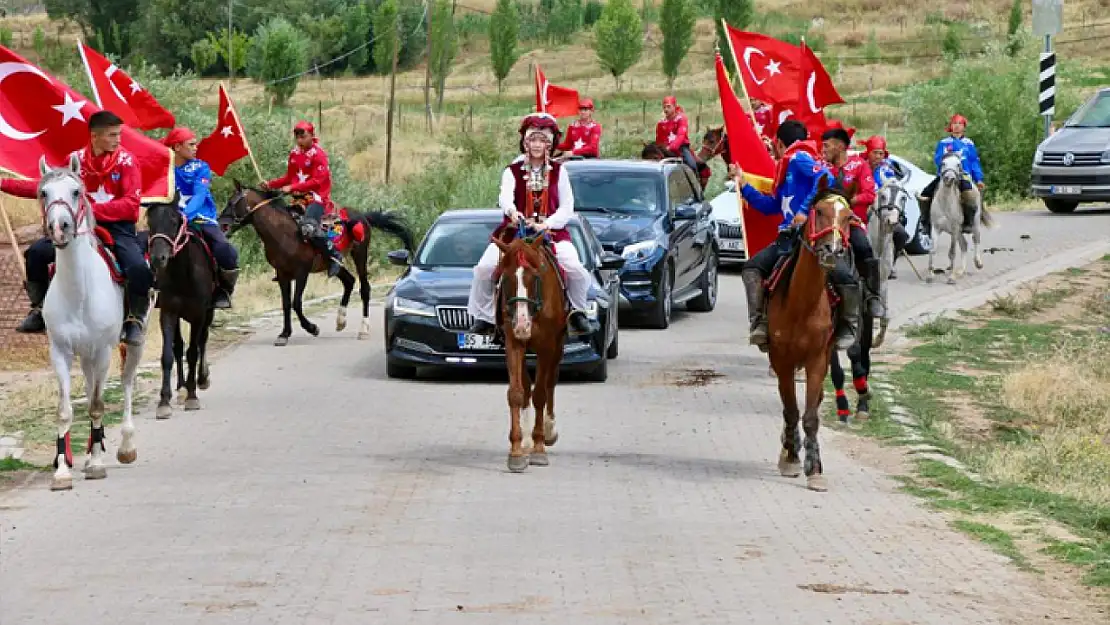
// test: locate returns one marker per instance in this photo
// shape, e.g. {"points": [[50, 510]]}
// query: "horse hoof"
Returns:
{"points": [[163, 412], [127, 457], [817, 483], [281, 341], [314, 330], [517, 464], [192, 404], [951, 281], [203, 385], [538, 459], [550, 434], [362, 336], [62, 483], [863, 415], [96, 472], [978, 264], [928, 279], [787, 468]]}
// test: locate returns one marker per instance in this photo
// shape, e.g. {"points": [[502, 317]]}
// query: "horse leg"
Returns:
{"points": [[96, 374], [932, 256], [132, 358], [348, 281], [191, 401], [550, 433], [837, 374], [63, 458], [976, 240], [170, 333], [178, 353], [203, 380], [789, 463], [811, 421], [286, 305], [861, 369], [541, 398], [517, 395], [298, 294], [360, 256]]}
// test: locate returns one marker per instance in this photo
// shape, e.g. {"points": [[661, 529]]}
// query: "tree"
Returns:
{"points": [[1013, 30], [738, 14], [503, 31], [445, 46], [203, 55], [279, 54], [564, 20], [386, 21], [677, 23], [240, 48], [169, 28], [618, 38], [96, 17]]}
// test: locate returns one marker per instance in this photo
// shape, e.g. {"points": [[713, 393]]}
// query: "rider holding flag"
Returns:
{"points": [[307, 172]]}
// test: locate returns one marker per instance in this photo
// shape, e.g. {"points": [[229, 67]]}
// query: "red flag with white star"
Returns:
{"points": [[42, 116], [768, 66], [554, 100], [116, 91], [228, 142]]}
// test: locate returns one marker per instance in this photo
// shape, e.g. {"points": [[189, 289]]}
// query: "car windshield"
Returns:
{"points": [[1094, 114], [461, 243], [621, 192]]}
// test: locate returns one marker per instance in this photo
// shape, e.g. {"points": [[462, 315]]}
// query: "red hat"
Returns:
{"points": [[178, 135], [306, 126], [586, 103], [542, 122], [956, 118], [873, 143], [670, 100]]}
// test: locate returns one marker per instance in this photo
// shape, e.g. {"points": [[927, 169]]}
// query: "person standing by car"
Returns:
{"points": [[583, 135]]}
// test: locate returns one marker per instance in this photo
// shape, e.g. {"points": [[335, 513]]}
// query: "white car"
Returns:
{"points": [[726, 213]]}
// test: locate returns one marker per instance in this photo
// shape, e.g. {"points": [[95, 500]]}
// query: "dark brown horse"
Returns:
{"points": [[185, 275], [714, 143], [800, 329], [533, 317], [294, 259]]}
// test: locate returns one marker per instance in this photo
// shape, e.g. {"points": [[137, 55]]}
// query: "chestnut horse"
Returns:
{"points": [[654, 152], [800, 328], [533, 317]]}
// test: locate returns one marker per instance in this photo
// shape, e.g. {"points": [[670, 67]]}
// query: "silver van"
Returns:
{"points": [[1072, 165]]}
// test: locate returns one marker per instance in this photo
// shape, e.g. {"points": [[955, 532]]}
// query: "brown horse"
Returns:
{"points": [[714, 143], [654, 152], [533, 317], [294, 259], [800, 328]]}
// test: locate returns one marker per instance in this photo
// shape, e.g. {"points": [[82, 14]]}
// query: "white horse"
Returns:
{"points": [[947, 216], [882, 218], [83, 313]]}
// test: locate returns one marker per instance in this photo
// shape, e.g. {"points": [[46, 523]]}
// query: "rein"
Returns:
{"points": [[80, 215], [812, 235], [240, 221], [536, 303], [179, 241]]}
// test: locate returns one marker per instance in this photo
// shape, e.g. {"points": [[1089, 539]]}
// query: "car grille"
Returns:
{"points": [[1082, 159], [729, 231], [1046, 179], [454, 318]]}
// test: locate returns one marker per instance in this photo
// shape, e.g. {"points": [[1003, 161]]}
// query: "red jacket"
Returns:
{"points": [[673, 133], [582, 139], [856, 176], [113, 185], [308, 172]]}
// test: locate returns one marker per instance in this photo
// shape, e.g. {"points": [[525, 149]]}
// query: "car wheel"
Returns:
{"points": [[707, 283], [614, 347], [600, 373], [400, 372], [660, 317], [1060, 206]]}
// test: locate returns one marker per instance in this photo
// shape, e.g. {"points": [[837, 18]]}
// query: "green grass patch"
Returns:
{"points": [[995, 538]]}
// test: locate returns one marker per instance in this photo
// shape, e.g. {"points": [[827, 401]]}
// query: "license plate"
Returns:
{"points": [[1068, 190], [476, 341], [732, 245]]}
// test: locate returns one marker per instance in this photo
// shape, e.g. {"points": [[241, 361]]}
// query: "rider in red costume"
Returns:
{"points": [[584, 134]]}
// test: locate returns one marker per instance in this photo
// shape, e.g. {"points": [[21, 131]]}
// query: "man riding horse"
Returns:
{"points": [[583, 135], [973, 173], [673, 132], [194, 178], [537, 190], [879, 159], [113, 185], [795, 186], [308, 164]]}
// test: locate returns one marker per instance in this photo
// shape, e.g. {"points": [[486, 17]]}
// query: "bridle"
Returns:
{"points": [[812, 235], [956, 170], [179, 241], [715, 150], [80, 216], [535, 304], [241, 196]]}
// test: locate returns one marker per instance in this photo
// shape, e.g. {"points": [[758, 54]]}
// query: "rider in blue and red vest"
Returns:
{"points": [[973, 173], [795, 187], [878, 157]]}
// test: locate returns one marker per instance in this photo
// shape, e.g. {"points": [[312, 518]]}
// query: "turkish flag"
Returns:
{"points": [[228, 142], [41, 115], [554, 100], [746, 148], [137, 108], [768, 66]]}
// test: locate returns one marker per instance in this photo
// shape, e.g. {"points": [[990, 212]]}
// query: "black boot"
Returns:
{"points": [[323, 243], [925, 204], [757, 321], [847, 331], [481, 326], [133, 329], [33, 323], [874, 297], [970, 205], [578, 323], [226, 286]]}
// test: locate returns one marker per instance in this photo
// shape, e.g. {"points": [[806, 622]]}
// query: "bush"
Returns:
{"points": [[591, 13], [998, 95], [279, 51]]}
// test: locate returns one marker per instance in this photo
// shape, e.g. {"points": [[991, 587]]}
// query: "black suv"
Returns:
{"points": [[654, 215]]}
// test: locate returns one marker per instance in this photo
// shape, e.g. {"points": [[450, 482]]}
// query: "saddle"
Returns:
{"points": [[337, 226], [784, 268], [104, 243]]}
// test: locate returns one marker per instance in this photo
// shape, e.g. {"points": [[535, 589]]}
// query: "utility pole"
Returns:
{"points": [[389, 114], [1048, 18], [230, 50], [428, 69]]}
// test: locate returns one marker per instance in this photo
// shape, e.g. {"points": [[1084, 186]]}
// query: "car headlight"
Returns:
{"points": [[405, 306], [1038, 156], [639, 251]]}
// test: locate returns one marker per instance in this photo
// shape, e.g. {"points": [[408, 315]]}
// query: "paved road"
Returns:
{"points": [[313, 490]]}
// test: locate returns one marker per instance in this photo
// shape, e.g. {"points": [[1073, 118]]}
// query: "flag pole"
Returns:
{"points": [[11, 235], [239, 122], [739, 183], [736, 64]]}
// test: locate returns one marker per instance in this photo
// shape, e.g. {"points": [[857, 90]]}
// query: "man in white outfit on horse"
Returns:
{"points": [[537, 190]]}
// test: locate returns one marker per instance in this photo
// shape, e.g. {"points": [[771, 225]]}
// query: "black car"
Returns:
{"points": [[425, 311], [653, 214]]}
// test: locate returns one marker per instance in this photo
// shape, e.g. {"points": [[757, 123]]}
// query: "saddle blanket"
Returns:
{"points": [[104, 243]]}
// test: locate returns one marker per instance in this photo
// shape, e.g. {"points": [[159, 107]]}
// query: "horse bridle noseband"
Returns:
{"points": [[80, 216], [251, 210], [534, 304], [179, 241]]}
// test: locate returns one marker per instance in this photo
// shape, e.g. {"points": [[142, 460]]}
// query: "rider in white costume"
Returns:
{"points": [[537, 190]]}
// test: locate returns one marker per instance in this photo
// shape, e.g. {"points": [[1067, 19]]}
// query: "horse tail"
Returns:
{"points": [[393, 224], [985, 217]]}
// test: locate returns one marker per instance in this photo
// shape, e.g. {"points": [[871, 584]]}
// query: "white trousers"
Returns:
{"points": [[481, 304]]}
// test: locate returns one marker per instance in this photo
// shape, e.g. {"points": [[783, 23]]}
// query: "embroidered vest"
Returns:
{"points": [[536, 197]]}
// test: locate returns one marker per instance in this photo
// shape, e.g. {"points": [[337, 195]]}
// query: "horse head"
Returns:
{"points": [[168, 232], [890, 203], [65, 210], [713, 143], [827, 229], [242, 204], [951, 169], [652, 152], [522, 266]]}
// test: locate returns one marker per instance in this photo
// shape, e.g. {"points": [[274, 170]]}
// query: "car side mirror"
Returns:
{"points": [[686, 211], [398, 257], [609, 260]]}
